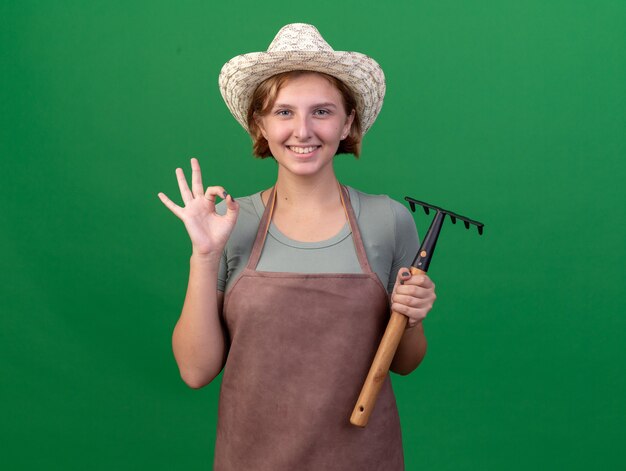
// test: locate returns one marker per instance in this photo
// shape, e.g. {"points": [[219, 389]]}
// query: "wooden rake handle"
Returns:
{"points": [[380, 366]]}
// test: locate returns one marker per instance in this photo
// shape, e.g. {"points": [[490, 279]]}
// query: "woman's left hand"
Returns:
{"points": [[413, 296]]}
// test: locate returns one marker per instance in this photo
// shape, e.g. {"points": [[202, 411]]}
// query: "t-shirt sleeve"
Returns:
{"points": [[222, 274], [406, 241]]}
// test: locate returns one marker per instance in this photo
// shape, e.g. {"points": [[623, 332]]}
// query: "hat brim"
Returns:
{"points": [[241, 76]]}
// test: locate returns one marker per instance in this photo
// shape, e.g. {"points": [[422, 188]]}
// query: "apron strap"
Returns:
{"points": [[264, 225], [356, 233]]}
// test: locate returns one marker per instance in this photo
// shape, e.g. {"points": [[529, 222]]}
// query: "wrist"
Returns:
{"points": [[210, 258]]}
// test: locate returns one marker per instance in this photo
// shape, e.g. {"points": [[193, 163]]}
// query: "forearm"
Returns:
{"points": [[411, 350], [198, 339]]}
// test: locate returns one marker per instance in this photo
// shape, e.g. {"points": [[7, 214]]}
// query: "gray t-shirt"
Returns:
{"points": [[387, 229]]}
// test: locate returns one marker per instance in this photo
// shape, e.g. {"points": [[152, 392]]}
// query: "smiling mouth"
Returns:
{"points": [[303, 150]]}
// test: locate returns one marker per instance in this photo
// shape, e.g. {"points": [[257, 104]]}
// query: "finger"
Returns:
{"points": [[420, 280], [414, 323], [403, 275], [182, 185], [196, 179], [414, 291], [417, 297], [411, 301], [415, 314], [212, 193], [173, 207]]}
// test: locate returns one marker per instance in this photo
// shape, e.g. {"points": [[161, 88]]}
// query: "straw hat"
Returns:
{"points": [[300, 46]]}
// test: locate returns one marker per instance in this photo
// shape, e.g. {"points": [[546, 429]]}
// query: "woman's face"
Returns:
{"points": [[306, 124]]}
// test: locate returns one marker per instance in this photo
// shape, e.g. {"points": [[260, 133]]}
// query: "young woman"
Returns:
{"points": [[290, 288]]}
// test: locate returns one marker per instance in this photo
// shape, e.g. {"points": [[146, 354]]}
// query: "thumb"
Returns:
{"points": [[403, 275]]}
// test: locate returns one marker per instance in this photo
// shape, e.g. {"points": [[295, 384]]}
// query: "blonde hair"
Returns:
{"points": [[263, 100]]}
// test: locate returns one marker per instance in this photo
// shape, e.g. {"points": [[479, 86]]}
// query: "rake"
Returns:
{"points": [[397, 323]]}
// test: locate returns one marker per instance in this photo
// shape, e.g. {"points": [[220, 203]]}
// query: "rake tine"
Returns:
{"points": [[453, 216], [413, 202]]}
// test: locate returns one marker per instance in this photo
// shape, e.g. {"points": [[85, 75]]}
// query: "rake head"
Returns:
{"points": [[425, 253], [453, 216]]}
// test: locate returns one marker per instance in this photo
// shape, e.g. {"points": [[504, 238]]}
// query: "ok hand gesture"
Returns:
{"points": [[207, 230]]}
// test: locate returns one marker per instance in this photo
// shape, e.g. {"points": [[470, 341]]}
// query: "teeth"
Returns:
{"points": [[302, 150]]}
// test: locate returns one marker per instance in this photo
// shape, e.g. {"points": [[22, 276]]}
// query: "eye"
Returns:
{"points": [[321, 112], [282, 112]]}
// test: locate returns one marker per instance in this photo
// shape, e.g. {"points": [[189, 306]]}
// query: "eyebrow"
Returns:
{"points": [[318, 105]]}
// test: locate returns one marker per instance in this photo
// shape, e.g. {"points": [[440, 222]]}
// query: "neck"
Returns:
{"points": [[307, 192]]}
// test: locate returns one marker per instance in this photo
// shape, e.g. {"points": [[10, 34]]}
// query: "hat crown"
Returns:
{"points": [[299, 37], [300, 46]]}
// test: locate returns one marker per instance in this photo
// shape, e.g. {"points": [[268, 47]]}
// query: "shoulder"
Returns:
{"points": [[380, 206], [384, 221]]}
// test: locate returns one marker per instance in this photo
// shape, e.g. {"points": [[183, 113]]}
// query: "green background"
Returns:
{"points": [[510, 112]]}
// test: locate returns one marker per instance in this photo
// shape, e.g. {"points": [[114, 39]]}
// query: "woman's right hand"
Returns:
{"points": [[207, 230]]}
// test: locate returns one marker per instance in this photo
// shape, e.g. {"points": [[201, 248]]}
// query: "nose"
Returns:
{"points": [[302, 128]]}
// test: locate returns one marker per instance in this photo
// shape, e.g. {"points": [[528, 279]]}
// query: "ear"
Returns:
{"points": [[348, 125], [259, 122]]}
